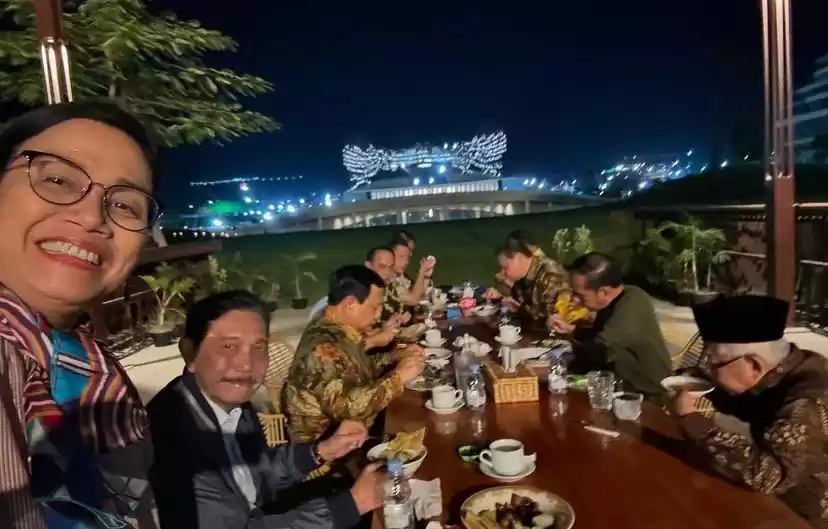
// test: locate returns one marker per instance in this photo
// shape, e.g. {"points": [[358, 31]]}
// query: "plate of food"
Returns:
{"points": [[413, 332], [515, 507], [422, 383], [408, 447], [687, 383]]}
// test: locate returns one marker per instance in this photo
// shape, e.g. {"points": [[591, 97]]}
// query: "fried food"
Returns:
{"points": [[519, 513], [405, 446], [569, 309]]}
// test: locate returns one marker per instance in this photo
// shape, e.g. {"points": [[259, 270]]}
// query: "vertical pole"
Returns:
{"points": [[53, 54], [779, 150]]}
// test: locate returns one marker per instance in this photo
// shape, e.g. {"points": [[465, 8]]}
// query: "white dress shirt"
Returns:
{"points": [[229, 422]]}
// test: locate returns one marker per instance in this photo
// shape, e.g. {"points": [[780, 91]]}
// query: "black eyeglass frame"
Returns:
{"points": [[31, 155]]}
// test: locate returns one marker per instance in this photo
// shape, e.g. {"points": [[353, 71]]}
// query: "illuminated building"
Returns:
{"points": [[483, 154], [811, 110]]}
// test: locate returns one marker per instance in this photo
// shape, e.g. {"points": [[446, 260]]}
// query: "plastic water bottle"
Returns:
{"points": [[397, 508], [557, 376], [476, 389], [462, 360]]}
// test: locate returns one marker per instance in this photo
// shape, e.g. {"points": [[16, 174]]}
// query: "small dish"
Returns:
{"points": [[489, 471], [433, 345], [445, 411], [469, 453], [694, 385], [501, 341]]}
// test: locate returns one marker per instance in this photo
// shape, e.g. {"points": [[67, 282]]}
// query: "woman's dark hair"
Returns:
{"points": [[204, 312], [352, 280], [34, 122], [375, 250], [599, 270]]}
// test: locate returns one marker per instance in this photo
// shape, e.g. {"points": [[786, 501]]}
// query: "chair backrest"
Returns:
{"points": [[280, 356], [317, 308], [273, 425], [690, 354]]}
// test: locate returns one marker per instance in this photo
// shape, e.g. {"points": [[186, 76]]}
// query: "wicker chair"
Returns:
{"points": [[281, 357]]}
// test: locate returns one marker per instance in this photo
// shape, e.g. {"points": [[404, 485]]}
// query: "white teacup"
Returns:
{"points": [[506, 457], [433, 337], [445, 396], [510, 333]]}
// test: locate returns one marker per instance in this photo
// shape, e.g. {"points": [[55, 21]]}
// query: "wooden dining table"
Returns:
{"points": [[648, 477]]}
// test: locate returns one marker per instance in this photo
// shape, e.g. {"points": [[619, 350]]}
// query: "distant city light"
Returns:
{"points": [[244, 186], [430, 179], [690, 152], [416, 181], [267, 216], [441, 169], [247, 200], [291, 208], [301, 200], [723, 164], [271, 207], [218, 223]]}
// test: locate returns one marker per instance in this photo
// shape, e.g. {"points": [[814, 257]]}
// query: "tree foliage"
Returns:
{"points": [[150, 64]]}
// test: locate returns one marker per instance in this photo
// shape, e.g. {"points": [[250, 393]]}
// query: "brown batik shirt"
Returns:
{"points": [[538, 291], [786, 453], [332, 380]]}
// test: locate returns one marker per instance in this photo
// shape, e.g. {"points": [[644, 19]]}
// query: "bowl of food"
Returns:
{"points": [[408, 447], [679, 383], [516, 507]]}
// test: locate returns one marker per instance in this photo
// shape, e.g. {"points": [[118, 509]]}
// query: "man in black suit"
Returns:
{"points": [[213, 469]]}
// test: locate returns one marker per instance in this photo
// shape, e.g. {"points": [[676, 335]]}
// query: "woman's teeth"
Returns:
{"points": [[70, 249]]}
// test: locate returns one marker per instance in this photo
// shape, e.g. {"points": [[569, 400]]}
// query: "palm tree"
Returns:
{"points": [[696, 247]]}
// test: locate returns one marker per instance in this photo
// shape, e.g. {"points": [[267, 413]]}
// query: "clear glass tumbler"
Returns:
{"points": [[600, 388]]}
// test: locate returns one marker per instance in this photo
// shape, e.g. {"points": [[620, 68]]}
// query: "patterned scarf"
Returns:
{"points": [[110, 415]]}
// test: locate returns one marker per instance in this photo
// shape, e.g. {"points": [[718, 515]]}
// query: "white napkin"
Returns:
{"points": [[428, 498]]}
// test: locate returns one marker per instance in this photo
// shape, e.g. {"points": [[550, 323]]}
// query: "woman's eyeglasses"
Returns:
{"points": [[61, 182]]}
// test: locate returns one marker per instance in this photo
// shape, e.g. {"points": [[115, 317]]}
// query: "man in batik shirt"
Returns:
{"points": [[331, 378], [502, 288], [781, 391], [537, 282], [407, 292]]}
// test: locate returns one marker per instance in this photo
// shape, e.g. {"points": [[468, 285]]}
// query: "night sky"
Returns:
{"points": [[575, 85]]}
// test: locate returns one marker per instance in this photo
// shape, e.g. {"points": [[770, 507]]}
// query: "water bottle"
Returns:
{"points": [[397, 507], [557, 376], [462, 360], [476, 389]]}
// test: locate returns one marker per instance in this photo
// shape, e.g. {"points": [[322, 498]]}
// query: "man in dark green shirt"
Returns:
{"points": [[624, 336]]}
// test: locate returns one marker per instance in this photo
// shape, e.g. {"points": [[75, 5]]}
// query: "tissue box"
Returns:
{"points": [[519, 386]]}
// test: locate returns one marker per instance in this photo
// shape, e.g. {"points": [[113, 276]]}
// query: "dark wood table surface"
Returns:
{"points": [[646, 478]]}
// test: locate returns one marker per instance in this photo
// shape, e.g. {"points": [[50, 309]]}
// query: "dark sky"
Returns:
{"points": [[574, 85]]}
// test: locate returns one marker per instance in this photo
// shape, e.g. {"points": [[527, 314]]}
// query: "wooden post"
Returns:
{"points": [[53, 54], [779, 150]]}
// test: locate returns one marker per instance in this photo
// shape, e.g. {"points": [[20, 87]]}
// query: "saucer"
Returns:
{"points": [[437, 352], [433, 345], [500, 340], [445, 411], [487, 469]]}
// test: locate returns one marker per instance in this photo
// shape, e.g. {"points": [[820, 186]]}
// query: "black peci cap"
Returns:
{"points": [[742, 319]]}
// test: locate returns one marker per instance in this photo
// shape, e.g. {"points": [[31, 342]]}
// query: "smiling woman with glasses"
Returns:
{"points": [[76, 208]]}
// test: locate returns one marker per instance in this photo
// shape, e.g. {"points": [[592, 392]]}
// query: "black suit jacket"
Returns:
{"points": [[192, 480]]}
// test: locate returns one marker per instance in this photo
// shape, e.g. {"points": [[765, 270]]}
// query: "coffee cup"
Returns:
{"points": [[507, 457], [433, 337], [510, 332], [445, 397]]}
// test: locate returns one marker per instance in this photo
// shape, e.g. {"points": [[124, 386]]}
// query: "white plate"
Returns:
{"points": [[433, 345], [418, 384], [437, 352], [445, 411], [679, 382], [488, 470], [409, 468], [548, 503]]}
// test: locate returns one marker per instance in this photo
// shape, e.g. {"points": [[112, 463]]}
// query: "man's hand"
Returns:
{"points": [[492, 294], [559, 325], [410, 366], [405, 317], [510, 303], [683, 403], [411, 350], [349, 436], [394, 322], [367, 492], [427, 265]]}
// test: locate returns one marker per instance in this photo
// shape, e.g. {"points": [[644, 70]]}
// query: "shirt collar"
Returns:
{"points": [[224, 418], [350, 332]]}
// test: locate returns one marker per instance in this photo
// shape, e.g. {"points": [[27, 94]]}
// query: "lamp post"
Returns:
{"points": [[779, 150], [53, 54]]}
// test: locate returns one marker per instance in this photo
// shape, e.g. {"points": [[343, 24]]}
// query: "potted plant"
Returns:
{"points": [[169, 287], [567, 246], [296, 261], [271, 296], [697, 250], [210, 277]]}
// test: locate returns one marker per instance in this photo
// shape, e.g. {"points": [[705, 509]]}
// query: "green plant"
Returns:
{"points": [[240, 277], [169, 287], [296, 262], [568, 245], [210, 277], [696, 249], [151, 64]]}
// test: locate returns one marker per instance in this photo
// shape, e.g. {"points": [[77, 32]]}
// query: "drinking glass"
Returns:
{"points": [[600, 388], [627, 405]]}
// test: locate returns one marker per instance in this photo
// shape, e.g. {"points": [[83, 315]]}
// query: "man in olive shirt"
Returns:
{"points": [[625, 336]]}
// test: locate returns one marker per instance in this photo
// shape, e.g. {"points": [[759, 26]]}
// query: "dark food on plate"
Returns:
{"points": [[519, 513]]}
